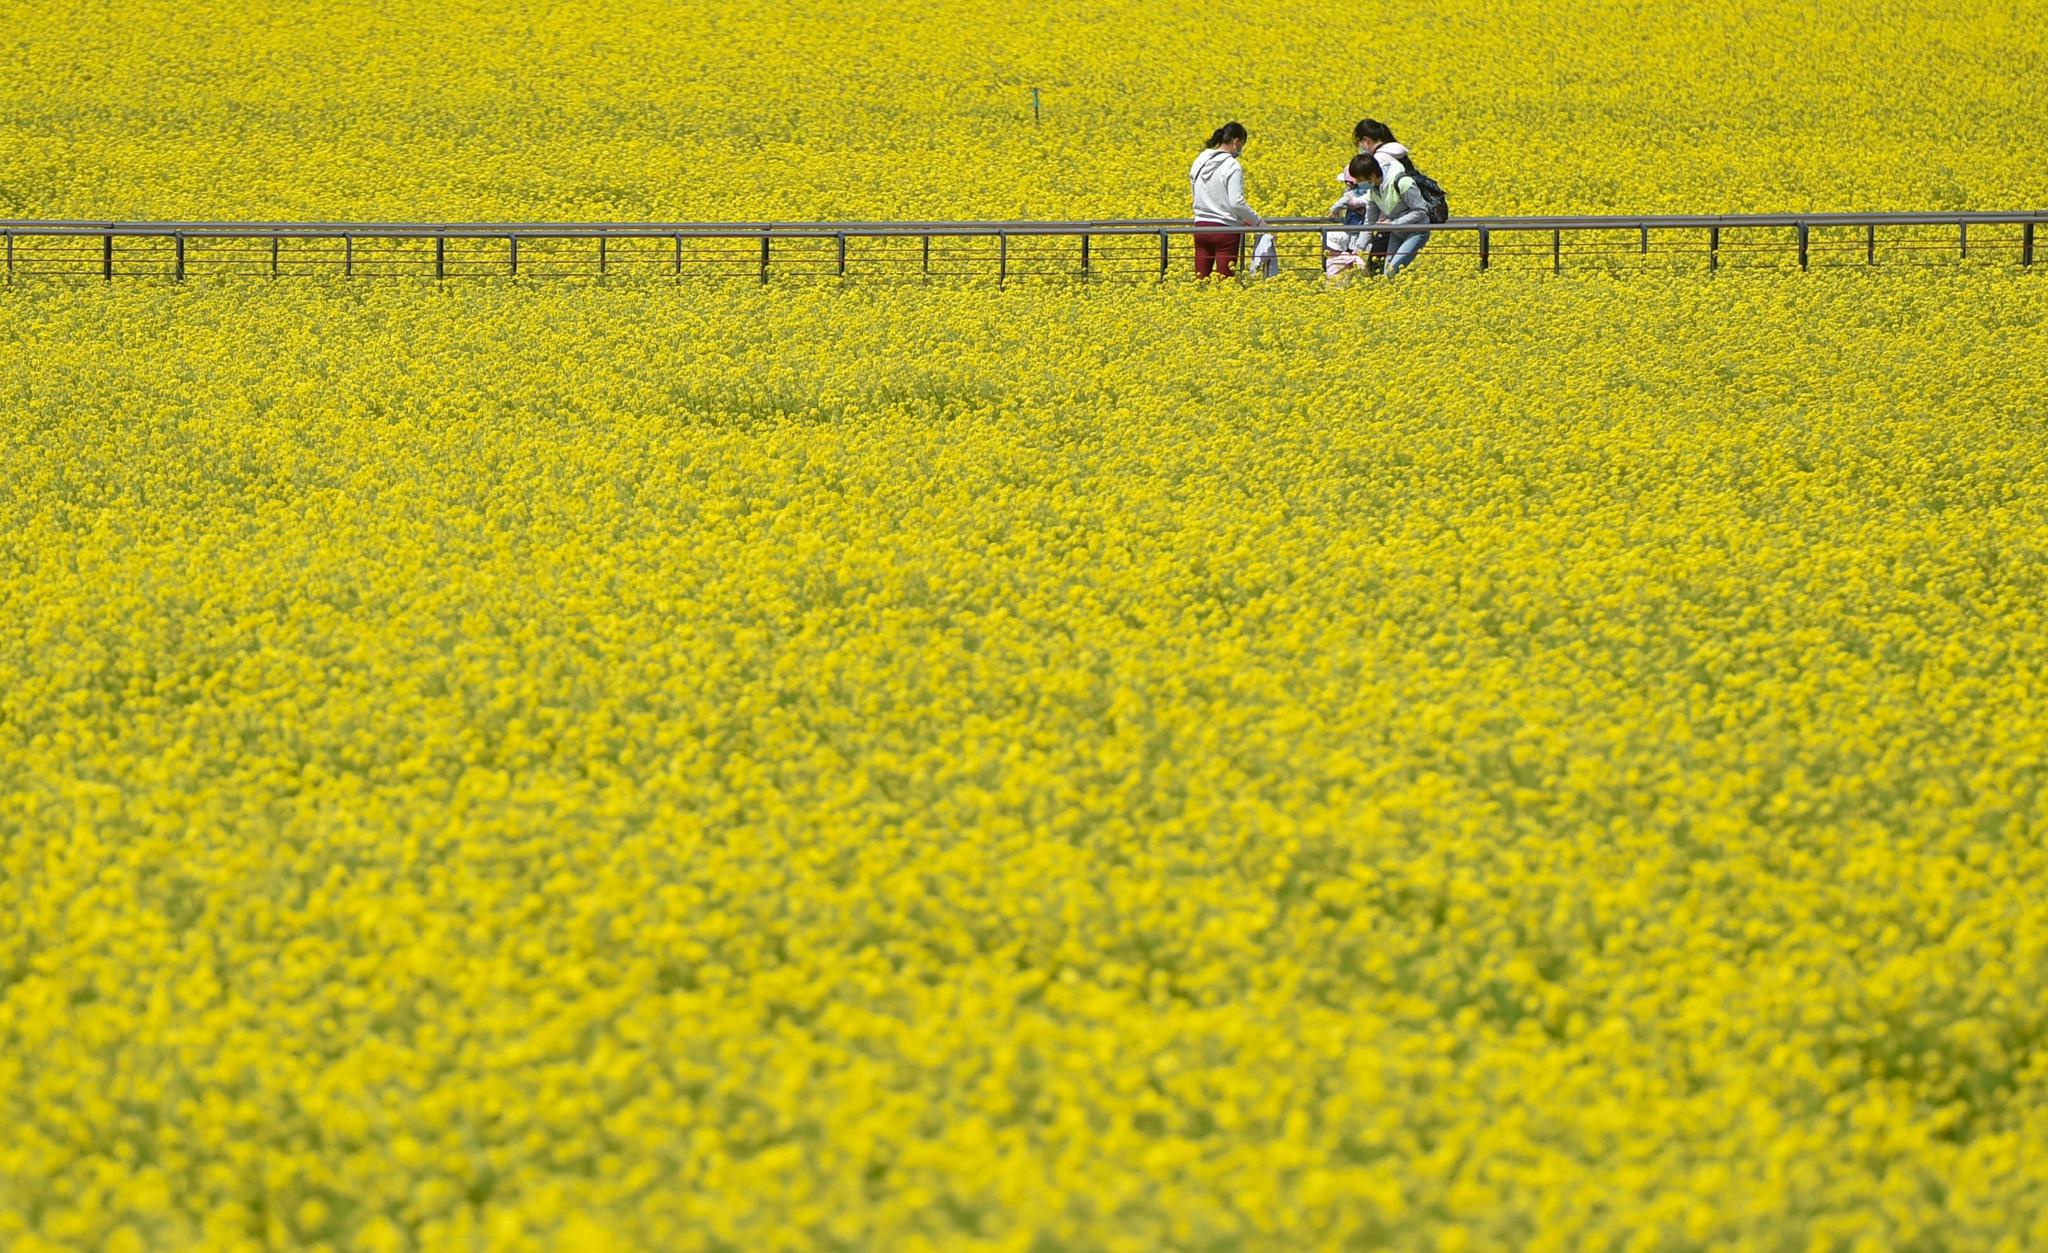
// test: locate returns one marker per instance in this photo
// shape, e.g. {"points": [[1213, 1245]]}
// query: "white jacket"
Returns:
{"points": [[1391, 158], [1218, 182]]}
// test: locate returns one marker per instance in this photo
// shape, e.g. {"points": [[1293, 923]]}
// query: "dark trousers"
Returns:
{"points": [[1216, 251]]}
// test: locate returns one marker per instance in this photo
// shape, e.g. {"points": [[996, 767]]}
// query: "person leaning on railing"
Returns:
{"points": [[1218, 184], [1375, 139], [1394, 202]]}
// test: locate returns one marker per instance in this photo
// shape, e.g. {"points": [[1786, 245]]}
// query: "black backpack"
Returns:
{"points": [[1432, 192]]}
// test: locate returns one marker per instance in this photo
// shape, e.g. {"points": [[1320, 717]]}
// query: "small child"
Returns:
{"points": [[1342, 249]]}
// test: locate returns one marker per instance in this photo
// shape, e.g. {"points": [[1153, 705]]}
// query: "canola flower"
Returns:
{"points": [[1507, 762], [532, 766], [638, 110]]}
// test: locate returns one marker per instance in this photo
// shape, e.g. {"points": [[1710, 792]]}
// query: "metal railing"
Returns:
{"points": [[922, 250]]}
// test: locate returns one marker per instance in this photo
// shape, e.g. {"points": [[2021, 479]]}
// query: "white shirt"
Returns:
{"points": [[1218, 183]]}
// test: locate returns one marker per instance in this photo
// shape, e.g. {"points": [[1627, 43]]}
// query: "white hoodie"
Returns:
{"points": [[1390, 157], [1218, 182]]}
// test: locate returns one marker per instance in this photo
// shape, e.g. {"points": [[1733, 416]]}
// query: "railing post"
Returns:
{"points": [[1162, 254], [1645, 249], [842, 253], [107, 257], [2026, 247], [514, 241], [440, 256], [927, 254], [601, 258], [1802, 245], [1962, 239], [1002, 257], [1084, 252], [1713, 247], [1556, 252], [764, 258], [1870, 244], [178, 267], [10, 251], [679, 257], [348, 256], [1485, 248], [273, 256]]}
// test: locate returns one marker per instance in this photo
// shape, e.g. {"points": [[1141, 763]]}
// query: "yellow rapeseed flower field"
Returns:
{"points": [[838, 109], [506, 766], [1474, 762]]}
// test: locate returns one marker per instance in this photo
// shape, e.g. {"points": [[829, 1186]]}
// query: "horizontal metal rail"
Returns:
{"points": [[1102, 226], [176, 249]]}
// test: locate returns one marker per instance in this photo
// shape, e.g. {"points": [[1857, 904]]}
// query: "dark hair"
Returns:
{"points": [[1362, 165], [1226, 133], [1378, 132]]}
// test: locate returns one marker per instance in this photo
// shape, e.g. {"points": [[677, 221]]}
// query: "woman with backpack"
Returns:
{"points": [[1217, 181], [1395, 201], [1376, 140], [1371, 136]]}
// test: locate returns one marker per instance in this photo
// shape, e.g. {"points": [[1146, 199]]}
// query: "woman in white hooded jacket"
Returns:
{"points": [[1376, 140], [1217, 181]]}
